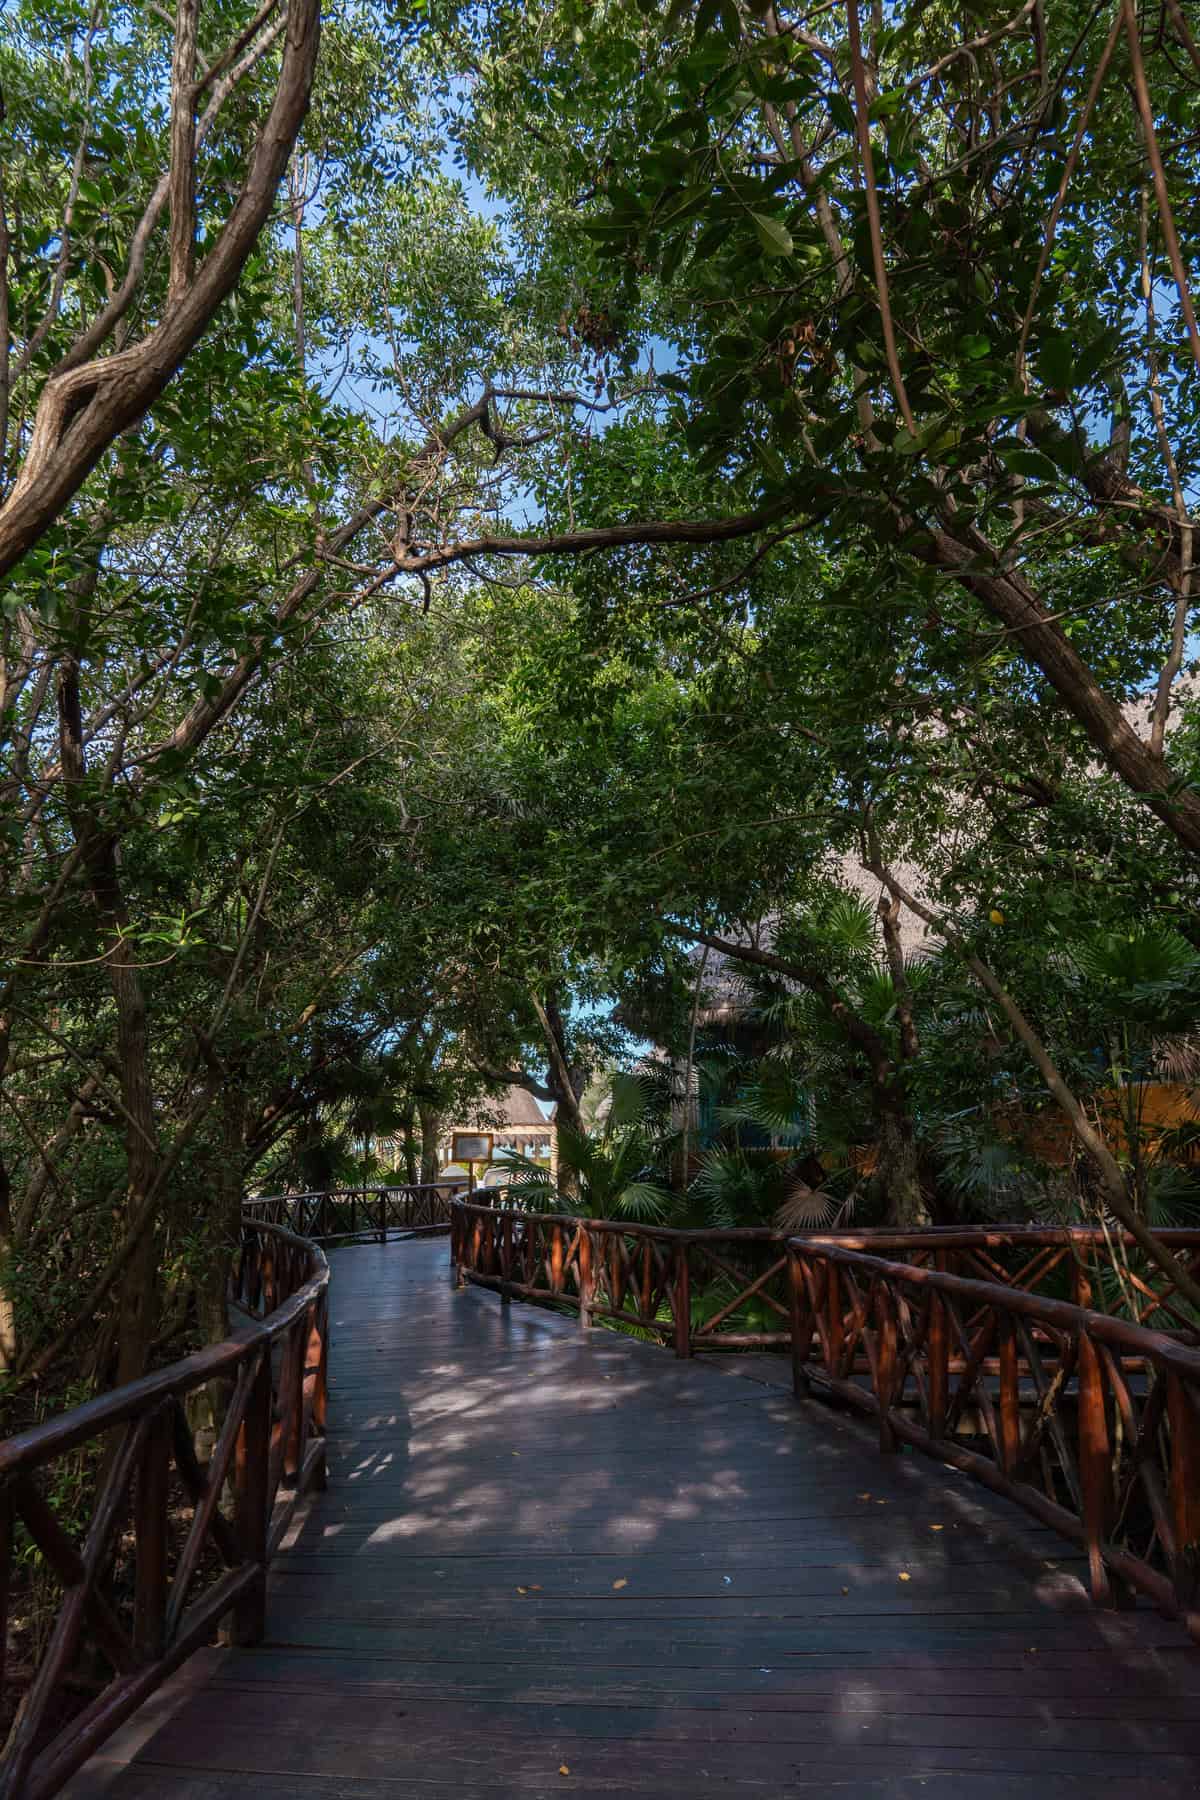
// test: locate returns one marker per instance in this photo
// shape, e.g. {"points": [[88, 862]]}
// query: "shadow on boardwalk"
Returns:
{"points": [[554, 1564]]}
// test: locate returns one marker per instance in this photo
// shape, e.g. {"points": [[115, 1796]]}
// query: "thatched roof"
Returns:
{"points": [[726, 986], [514, 1110]]}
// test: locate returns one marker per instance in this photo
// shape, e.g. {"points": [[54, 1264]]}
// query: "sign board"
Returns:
{"points": [[471, 1147]]}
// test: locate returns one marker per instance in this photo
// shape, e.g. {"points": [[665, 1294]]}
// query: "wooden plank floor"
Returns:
{"points": [[552, 1564]]}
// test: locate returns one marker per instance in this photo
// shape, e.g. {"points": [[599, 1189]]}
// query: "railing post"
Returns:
{"points": [[556, 1260], [801, 1320], [835, 1324], [885, 1365], [150, 1536], [1095, 1467], [251, 1498], [1184, 1419], [383, 1215], [939, 1355], [587, 1279], [458, 1248], [1010, 1398], [506, 1258], [682, 1300], [319, 1337], [266, 1271]]}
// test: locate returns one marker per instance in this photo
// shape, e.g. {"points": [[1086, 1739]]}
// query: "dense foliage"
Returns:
{"points": [[657, 493]]}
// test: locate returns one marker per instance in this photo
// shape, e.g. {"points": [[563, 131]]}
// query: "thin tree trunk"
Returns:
{"points": [[899, 1168], [431, 1131], [565, 1083], [137, 1295], [409, 1145], [688, 1068], [8, 1320]]}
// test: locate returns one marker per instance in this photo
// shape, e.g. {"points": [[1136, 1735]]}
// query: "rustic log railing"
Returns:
{"points": [[1089, 1422], [1083, 1263], [728, 1290], [176, 1543], [948, 1337], [360, 1215], [696, 1290]]}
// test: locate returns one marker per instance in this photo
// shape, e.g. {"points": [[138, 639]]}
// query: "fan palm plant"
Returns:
{"points": [[615, 1169]]}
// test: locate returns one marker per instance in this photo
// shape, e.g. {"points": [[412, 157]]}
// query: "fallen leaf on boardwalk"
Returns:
{"points": [[937, 1528], [563, 1769], [622, 1583], [864, 1496], [516, 1453], [845, 1590], [535, 1587], [905, 1577], [522, 1590]]}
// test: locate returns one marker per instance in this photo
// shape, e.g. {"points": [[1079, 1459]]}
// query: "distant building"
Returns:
{"points": [[517, 1124]]}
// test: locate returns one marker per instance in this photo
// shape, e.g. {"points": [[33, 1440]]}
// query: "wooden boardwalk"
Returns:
{"points": [[557, 1564]]}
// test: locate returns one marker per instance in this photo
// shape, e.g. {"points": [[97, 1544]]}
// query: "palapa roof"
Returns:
{"points": [[514, 1110]]}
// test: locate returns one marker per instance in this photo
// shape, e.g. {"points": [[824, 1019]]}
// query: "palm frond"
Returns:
{"points": [[807, 1209], [643, 1201]]}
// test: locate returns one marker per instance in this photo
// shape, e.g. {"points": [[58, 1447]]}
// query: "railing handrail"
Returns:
{"points": [[352, 1215], [1062, 1315], [368, 1187], [869, 1238]]}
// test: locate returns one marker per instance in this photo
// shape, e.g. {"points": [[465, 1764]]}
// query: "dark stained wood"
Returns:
{"points": [[150, 1534], [543, 1548], [1102, 1491], [343, 1215], [280, 1283]]}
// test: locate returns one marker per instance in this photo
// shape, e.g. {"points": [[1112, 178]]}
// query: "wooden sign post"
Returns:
{"points": [[471, 1147]]}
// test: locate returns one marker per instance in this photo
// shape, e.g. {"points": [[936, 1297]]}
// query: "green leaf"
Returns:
{"points": [[775, 238], [1024, 460], [1057, 360], [841, 113]]}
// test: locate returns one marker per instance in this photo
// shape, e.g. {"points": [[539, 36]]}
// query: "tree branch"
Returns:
{"points": [[1085, 1131]]}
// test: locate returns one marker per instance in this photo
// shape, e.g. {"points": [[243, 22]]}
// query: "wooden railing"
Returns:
{"points": [[358, 1215], [696, 1290], [176, 1542], [1091, 1423], [1082, 1263], [728, 1290], [955, 1340]]}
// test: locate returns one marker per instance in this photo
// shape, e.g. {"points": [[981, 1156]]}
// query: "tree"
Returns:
{"points": [[73, 404]]}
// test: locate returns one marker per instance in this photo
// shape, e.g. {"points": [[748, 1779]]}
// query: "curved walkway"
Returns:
{"points": [[552, 1564]]}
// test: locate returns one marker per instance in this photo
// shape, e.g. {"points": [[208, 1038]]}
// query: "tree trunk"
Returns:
{"points": [[137, 1294], [431, 1131], [898, 1172], [565, 1082], [207, 1405], [8, 1323], [225, 1220], [409, 1143]]}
